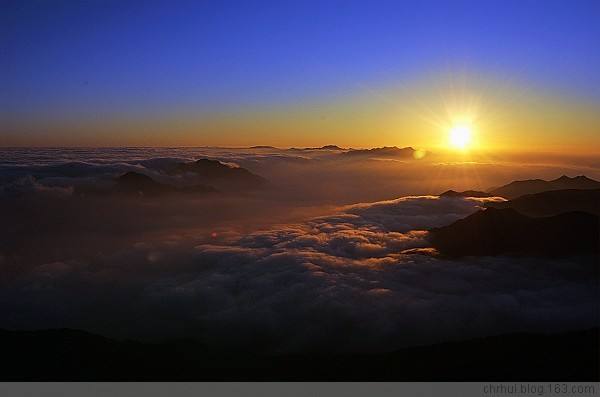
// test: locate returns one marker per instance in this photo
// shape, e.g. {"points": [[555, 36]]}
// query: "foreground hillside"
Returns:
{"points": [[70, 355]]}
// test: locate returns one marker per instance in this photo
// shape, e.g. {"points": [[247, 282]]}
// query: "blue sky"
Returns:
{"points": [[60, 58]]}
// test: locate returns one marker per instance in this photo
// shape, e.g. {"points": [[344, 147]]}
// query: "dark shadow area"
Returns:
{"points": [[507, 232], [554, 202], [532, 186], [71, 355]]}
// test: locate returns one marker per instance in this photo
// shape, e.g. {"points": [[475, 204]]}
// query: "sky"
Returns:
{"points": [[526, 74]]}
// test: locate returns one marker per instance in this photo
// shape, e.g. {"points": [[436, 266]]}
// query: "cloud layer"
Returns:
{"points": [[341, 282], [298, 176]]}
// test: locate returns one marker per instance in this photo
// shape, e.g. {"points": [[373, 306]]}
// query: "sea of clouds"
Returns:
{"points": [[248, 273], [315, 176]]}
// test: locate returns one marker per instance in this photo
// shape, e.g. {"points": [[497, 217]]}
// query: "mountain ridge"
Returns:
{"points": [[220, 175], [465, 193], [143, 185], [518, 188], [386, 151], [507, 232], [554, 202]]}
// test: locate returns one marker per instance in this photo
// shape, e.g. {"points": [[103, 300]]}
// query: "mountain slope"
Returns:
{"points": [[134, 183], [386, 152], [465, 193], [325, 147], [554, 202], [507, 232], [532, 186], [222, 176]]}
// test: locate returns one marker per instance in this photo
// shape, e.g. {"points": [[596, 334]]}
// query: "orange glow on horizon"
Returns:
{"points": [[502, 117]]}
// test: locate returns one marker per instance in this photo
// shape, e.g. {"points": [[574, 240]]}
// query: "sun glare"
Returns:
{"points": [[459, 136]]}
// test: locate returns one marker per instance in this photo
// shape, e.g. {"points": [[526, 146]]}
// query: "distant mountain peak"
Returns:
{"points": [[465, 193], [564, 178], [208, 163], [222, 176], [326, 147], [575, 178], [135, 176], [532, 186], [135, 181], [386, 151], [331, 147], [140, 184]]}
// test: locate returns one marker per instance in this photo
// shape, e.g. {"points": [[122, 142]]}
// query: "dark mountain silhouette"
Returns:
{"points": [[71, 355], [136, 183], [222, 176], [197, 189], [386, 152], [331, 147], [326, 147], [143, 185], [465, 193], [505, 231], [532, 186], [554, 202], [262, 147]]}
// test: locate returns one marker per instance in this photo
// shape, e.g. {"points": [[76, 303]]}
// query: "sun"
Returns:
{"points": [[459, 136]]}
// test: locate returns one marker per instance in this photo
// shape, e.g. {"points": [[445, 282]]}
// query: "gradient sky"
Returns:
{"points": [[358, 73]]}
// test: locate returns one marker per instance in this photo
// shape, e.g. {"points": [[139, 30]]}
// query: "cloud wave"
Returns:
{"points": [[342, 282]]}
